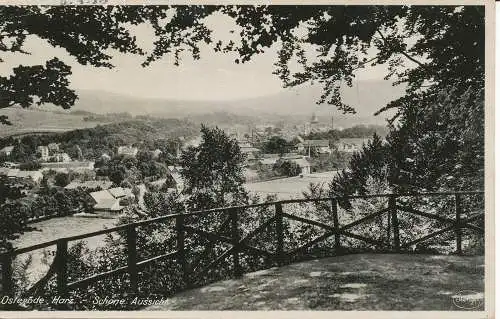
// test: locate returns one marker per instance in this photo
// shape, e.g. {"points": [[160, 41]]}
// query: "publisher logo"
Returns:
{"points": [[468, 299]]}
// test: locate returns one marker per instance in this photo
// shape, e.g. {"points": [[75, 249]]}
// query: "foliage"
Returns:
{"points": [[61, 179], [213, 171], [329, 162], [18, 211], [276, 145], [30, 166], [357, 131], [104, 139], [287, 168]]}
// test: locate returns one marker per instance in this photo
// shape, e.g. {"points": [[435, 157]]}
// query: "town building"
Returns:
{"points": [[156, 153], [305, 166], [105, 157], [10, 165], [43, 151], [351, 145], [103, 185], [110, 201], [53, 148], [35, 176], [127, 150], [65, 167], [13, 173], [61, 157], [318, 146], [7, 150]]}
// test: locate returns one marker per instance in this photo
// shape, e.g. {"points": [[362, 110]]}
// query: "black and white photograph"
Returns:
{"points": [[241, 157]]}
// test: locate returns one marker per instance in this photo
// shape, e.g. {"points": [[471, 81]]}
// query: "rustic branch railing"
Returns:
{"points": [[240, 244]]}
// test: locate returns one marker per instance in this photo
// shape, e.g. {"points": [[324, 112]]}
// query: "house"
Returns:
{"points": [[105, 202], [269, 159], [351, 145], [7, 150], [10, 165], [109, 201], [103, 185], [61, 157], [127, 150], [64, 167], [156, 153], [44, 152], [250, 158], [319, 146], [9, 172], [105, 157], [53, 148], [305, 166], [35, 176]]}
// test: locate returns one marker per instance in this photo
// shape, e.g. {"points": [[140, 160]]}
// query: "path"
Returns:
{"points": [[353, 282]]}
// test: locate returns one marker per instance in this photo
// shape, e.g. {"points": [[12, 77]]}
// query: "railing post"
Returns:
{"points": [[7, 281], [389, 228], [395, 222], [62, 267], [181, 253], [132, 257], [279, 234], [458, 229], [336, 226], [236, 239]]}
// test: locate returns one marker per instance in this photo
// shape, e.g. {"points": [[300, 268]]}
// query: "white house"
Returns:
{"points": [[351, 145], [35, 176], [103, 185], [109, 200], [7, 150], [53, 147], [44, 152], [305, 166], [77, 166], [319, 146], [61, 157], [105, 157], [127, 150]]}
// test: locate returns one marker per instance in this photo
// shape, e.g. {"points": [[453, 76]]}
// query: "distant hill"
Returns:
{"points": [[298, 103], [294, 106]]}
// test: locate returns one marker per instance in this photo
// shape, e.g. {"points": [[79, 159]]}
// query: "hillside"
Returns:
{"points": [[42, 119], [294, 105]]}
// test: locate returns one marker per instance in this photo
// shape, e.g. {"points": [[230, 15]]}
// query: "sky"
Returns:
{"points": [[213, 77]]}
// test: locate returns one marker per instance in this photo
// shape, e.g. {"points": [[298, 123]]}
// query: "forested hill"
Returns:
{"points": [[93, 142], [356, 131]]}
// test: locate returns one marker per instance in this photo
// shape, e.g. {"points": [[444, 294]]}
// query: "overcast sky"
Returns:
{"points": [[214, 77]]}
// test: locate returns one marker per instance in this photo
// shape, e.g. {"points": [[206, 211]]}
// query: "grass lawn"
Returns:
{"points": [[353, 282], [290, 187], [55, 228]]}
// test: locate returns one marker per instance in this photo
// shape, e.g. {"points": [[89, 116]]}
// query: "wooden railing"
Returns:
{"points": [[241, 245]]}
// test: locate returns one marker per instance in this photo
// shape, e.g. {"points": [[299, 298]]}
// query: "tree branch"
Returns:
{"points": [[409, 57]]}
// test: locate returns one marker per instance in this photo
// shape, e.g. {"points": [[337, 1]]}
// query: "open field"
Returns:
{"points": [[291, 187], [55, 228], [33, 120], [352, 282]]}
